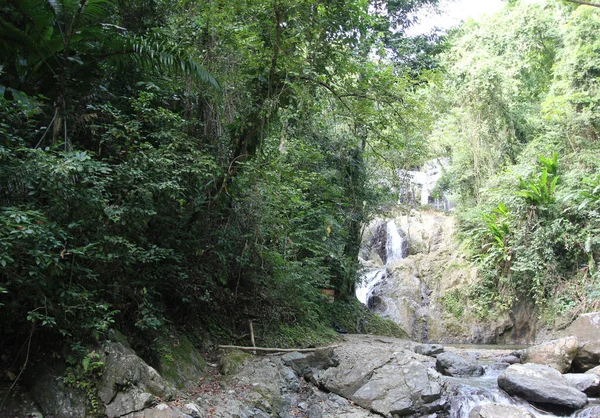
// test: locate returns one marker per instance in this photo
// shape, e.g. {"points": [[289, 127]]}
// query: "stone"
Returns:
{"points": [[128, 384], [307, 364], [180, 362], [54, 397], [493, 410], [587, 357], [159, 411], [510, 359], [430, 350], [451, 364], [388, 383], [18, 402], [587, 383], [233, 361], [558, 354], [541, 384], [595, 370], [586, 327]]}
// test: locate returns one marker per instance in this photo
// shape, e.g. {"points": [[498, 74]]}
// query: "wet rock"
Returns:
{"points": [[558, 354], [587, 357], [493, 410], [430, 350], [388, 383], [541, 384], [451, 364], [587, 383], [128, 384]]}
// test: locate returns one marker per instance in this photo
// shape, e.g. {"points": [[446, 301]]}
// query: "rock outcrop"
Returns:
{"points": [[387, 379], [128, 384]]}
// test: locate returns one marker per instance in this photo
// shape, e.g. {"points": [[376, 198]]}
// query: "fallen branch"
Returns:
{"points": [[275, 350]]}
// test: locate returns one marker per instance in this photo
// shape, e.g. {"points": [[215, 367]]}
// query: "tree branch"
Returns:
{"points": [[274, 350], [585, 3]]}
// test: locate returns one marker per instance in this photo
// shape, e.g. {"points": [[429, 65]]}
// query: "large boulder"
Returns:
{"points": [[308, 363], [587, 330], [558, 354], [587, 357], [588, 383], [387, 380], [541, 384], [128, 384], [451, 364], [494, 410], [591, 412]]}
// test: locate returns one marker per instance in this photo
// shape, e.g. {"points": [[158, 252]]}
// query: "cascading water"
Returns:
{"points": [[394, 251]]}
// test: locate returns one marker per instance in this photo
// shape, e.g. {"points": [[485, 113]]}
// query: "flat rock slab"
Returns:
{"points": [[541, 384], [386, 377]]}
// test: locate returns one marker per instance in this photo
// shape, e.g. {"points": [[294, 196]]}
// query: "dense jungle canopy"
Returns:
{"points": [[196, 164]]}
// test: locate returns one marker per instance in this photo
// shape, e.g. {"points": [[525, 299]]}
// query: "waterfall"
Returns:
{"points": [[394, 243], [395, 249]]}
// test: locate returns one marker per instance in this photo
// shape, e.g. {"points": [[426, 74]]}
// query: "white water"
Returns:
{"points": [[394, 245]]}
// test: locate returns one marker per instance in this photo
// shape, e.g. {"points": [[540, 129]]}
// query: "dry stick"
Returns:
{"points": [[275, 350], [252, 335]]}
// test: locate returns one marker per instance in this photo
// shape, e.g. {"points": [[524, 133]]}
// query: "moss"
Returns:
{"points": [[355, 317], [178, 360], [233, 361]]}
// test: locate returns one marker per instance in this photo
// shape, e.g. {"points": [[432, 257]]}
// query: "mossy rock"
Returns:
{"points": [[179, 361], [232, 362]]}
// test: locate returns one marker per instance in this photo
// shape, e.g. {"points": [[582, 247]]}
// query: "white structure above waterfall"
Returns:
{"points": [[418, 186]]}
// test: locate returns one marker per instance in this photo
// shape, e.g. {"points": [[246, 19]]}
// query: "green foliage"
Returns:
{"points": [[540, 191], [529, 226], [83, 371]]}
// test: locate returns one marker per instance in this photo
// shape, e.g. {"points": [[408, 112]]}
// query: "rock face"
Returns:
{"points": [[386, 379], [128, 384], [55, 398], [558, 354], [451, 364], [420, 291], [541, 384], [492, 410]]}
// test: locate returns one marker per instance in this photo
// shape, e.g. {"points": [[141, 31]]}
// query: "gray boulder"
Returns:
{"points": [[430, 350], [587, 357], [451, 364], [558, 354], [390, 384], [541, 384], [510, 359], [128, 384], [493, 410], [588, 383]]}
